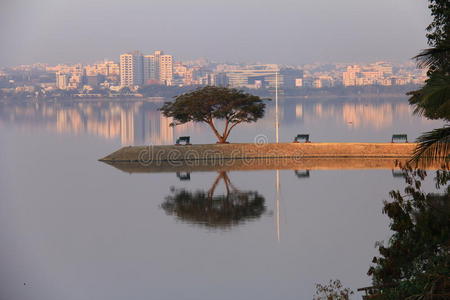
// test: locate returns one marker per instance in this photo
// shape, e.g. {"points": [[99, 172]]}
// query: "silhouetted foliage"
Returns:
{"points": [[439, 28], [433, 99], [332, 291], [211, 103], [415, 264]]}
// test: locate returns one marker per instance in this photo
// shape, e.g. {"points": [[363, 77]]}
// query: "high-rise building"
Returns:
{"points": [[131, 69], [221, 79], [157, 54], [151, 71], [165, 69], [137, 69], [62, 81]]}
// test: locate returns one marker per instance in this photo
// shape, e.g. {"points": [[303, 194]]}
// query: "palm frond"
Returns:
{"points": [[433, 99], [433, 146], [434, 57]]}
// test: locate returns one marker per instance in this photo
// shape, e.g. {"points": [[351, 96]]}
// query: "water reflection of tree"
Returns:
{"points": [[215, 211], [415, 264]]}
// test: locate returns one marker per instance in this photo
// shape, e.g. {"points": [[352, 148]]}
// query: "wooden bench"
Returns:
{"points": [[301, 174], [185, 139], [399, 137], [304, 137], [398, 173], [184, 176]]}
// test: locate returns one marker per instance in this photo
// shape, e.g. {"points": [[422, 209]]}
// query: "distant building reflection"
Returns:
{"points": [[138, 123], [131, 123], [375, 115]]}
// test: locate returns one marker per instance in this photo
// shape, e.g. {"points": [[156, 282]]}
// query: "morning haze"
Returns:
{"points": [[283, 31]]}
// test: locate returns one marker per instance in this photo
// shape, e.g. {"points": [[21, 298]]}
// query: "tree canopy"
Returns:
{"points": [[215, 103], [439, 28]]}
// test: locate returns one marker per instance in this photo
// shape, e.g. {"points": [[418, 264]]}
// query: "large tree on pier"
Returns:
{"points": [[212, 103]]}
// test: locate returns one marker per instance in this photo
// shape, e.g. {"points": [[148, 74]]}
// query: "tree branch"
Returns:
{"points": [[213, 127], [227, 122], [229, 130]]}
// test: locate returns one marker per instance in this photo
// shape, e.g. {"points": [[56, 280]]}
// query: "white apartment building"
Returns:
{"points": [[62, 81], [166, 69], [349, 77], [131, 69], [376, 73]]}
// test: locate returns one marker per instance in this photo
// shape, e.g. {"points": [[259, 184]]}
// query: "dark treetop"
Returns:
{"points": [[210, 103]]}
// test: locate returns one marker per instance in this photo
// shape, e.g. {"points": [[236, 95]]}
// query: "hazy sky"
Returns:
{"points": [[277, 31]]}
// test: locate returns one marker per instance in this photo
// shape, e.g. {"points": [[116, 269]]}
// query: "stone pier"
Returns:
{"points": [[170, 153]]}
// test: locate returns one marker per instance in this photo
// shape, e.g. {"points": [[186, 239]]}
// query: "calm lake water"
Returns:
{"points": [[74, 228]]}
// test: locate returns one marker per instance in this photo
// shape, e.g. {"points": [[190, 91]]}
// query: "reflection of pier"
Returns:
{"points": [[302, 167]]}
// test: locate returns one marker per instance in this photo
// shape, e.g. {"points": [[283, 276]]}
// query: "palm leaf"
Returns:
{"points": [[432, 100], [433, 146], [436, 57]]}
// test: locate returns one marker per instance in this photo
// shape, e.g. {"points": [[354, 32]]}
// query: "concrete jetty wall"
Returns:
{"points": [[148, 154]]}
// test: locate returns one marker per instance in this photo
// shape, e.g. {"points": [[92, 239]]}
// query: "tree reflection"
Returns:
{"points": [[415, 264], [215, 211]]}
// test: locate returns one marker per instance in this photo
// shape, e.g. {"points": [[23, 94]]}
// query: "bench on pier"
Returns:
{"points": [[184, 176], [300, 137], [301, 174], [185, 139], [398, 173], [399, 137]]}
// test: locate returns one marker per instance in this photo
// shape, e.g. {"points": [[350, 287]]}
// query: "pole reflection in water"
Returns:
{"points": [[277, 200]]}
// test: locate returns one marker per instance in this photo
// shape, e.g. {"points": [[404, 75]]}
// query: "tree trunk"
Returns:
{"points": [[220, 138], [225, 136]]}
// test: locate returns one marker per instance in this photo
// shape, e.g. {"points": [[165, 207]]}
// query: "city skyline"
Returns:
{"points": [[206, 60], [140, 75]]}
